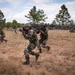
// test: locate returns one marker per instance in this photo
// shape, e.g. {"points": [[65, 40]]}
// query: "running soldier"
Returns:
{"points": [[15, 28], [30, 35], [43, 37], [2, 35]]}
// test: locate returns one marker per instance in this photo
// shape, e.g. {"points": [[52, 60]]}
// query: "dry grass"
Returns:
{"points": [[60, 60]]}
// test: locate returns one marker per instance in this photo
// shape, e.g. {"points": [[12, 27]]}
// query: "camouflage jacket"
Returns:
{"points": [[44, 33], [32, 38]]}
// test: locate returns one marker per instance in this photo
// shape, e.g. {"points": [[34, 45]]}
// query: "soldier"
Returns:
{"points": [[30, 35], [2, 35], [15, 28], [43, 37]]}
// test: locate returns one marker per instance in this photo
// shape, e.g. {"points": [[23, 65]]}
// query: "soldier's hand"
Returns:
{"points": [[20, 30], [41, 31]]}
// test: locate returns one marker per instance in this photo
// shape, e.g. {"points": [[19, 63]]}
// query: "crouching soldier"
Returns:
{"points": [[2, 35], [43, 37], [30, 35]]}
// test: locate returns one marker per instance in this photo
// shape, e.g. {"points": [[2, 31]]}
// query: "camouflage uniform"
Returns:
{"points": [[32, 37], [15, 28], [2, 35], [43, 37]]}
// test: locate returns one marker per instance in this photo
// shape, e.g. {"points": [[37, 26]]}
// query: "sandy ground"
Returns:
{"points": [[60, 60]]}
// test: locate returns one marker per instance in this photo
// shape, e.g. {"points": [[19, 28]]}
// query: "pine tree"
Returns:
{"points": [[36, 16], [63, 17]]}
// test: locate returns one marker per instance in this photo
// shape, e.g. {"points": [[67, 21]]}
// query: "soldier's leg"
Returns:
{"points": [[15, 30], [30, 48], [1, 39], [40, 42], [5, 40], [40, 50], [45, 46], [27, 58]]}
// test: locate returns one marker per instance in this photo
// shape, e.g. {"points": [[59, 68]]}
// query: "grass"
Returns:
{"points": [[58, 61]]}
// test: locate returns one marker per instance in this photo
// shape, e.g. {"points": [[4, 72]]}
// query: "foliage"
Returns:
{"points": [[14, 22], [63, 17], [8, 24], [2, 20], [36, 16], [54, 22], [1, 15]]}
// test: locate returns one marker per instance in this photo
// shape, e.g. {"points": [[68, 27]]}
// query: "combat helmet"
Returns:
{"points": [[27, 27]]}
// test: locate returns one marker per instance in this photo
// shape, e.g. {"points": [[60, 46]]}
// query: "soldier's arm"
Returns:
{"points": [[24, 33], [46, 33], [42, 31], [37, 40], [20, 30]]}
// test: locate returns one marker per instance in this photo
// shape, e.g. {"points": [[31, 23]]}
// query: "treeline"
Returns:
{"points": [[62, 27], [11, 24], [3, 22], [36, 16], [62, 20]]}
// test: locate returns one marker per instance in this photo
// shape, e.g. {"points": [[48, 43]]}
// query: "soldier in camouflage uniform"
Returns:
{"points": [[30, 35], [2, 35], [43, 37], [15, 28]]}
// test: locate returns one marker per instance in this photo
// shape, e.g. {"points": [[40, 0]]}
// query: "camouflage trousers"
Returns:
{"points": [[29, 48], [42, 42], [15, 30], [2, 38]]}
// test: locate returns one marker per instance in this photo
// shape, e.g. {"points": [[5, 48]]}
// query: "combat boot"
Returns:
{"points": [[27, 62], [37, 55], [5, 40], [40, 50], [48, 48]]}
